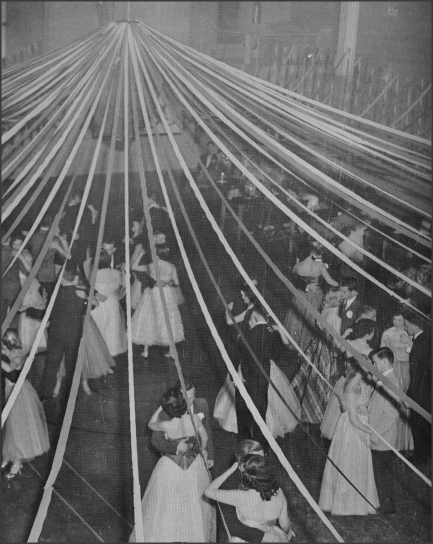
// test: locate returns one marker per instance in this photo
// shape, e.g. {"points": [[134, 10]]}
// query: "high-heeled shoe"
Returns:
{"points": [[14, 471], [169, 354], [4, 464]]}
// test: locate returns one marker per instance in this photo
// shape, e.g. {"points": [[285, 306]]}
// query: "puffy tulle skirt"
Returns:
{"points": [[148, 326], [97, 361], [174, 506], [110, 321], [351, 454], [279, 419], [25, 432]]}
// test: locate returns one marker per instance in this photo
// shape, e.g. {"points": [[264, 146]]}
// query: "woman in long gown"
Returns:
{"points": [[97, 361], [299, 322], [234, 481], [260, 503], [397, 339], [108, 314], [148, 325], [30, 317], [174, 507], [350, 451], [312, 391], [139, 255], [279, 419], [358, 337], [25, 432]]}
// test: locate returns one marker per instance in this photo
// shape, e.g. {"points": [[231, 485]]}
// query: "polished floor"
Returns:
{"points": [[92, 499]]}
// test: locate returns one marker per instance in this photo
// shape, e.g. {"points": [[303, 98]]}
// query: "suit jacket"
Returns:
{"points": [[167, 446], [354, 311], [384, 412], [420, 362], [85, 229]]}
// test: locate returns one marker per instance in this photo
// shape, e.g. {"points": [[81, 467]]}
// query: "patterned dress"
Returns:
{"points": [[312, 391], [299, 322]]}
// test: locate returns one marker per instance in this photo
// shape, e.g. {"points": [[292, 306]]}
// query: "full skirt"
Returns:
{"points": [[148, 325], [174, 506], [111, 324], [312, 391], [333, 411], [97, 361], [25, 432], [279, 419], [299, 322], [351, 454]]}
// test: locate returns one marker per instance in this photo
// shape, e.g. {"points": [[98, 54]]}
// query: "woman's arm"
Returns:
{"points": [[355, 421], [284, 519], [141, 268], [26, 258], [174, 278], [203, 434], [61, 246], [154, 423], [236, 318], [6, 366], [327, 277], [212, 491], [385, 340], [136, 256], [351, 405], [16, 357], [282, 334]]}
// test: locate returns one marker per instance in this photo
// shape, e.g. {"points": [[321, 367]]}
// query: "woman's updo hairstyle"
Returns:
{"points": [[361, 328], [258, 474], [173, 403], [11, 339], [247, 447], [249, 292]]}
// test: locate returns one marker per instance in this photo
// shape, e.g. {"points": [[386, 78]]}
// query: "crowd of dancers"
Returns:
{"points": [[329, 388]]}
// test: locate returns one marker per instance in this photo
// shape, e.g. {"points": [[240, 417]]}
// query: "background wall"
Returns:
{"points": [[403, 39], [25, 24], [389, 32]]}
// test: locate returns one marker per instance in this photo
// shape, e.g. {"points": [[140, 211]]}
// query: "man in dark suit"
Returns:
{"points": [[64, 332], [86, 229], [419, 390], [198, 406], [383, 416], [266, 344], [350, 307]]}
